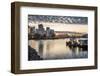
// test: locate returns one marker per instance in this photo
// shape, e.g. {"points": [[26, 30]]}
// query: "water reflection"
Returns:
{"points": [[57, 49], [40, 48]]}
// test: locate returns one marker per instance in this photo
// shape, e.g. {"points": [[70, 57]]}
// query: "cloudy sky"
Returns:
{"points": [[58, 19], [60, 23]]}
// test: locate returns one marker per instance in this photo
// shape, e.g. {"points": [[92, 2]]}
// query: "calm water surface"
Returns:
{"points": [[57, 49]]}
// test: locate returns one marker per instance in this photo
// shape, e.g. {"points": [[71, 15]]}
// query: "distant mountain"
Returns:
{"points": [[69, 32]]}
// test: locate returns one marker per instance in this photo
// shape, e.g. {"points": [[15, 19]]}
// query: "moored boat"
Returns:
{"points": [[81, 42]]}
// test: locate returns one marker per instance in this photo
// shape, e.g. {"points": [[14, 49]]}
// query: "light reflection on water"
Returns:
{"points": [[57, 49]]}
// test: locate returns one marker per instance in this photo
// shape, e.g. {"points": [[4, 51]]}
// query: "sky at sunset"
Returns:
{"points": [[60, 23]]}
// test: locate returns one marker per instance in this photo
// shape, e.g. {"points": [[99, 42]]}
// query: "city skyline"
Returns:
{"points": [[58, 26]]}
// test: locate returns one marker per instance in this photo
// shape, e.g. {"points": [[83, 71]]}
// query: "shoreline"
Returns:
{"points": [[53, 38]]}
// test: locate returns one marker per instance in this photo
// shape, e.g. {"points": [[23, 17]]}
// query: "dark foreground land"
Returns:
{"points": [[32, 54]]}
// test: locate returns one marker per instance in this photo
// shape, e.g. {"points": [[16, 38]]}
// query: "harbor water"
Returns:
{"points": [[57, 49]]}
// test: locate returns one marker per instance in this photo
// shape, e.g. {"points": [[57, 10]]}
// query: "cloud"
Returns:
{"points": [[58, 19]]}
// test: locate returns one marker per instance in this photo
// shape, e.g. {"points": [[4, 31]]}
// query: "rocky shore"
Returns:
{"points": [[32, 54]]}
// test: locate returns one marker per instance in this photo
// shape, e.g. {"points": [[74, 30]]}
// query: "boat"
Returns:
{"points": [[81, 42]]}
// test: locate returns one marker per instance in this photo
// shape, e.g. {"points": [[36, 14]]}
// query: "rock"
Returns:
{"points": [[32, 54]]}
